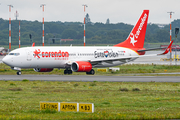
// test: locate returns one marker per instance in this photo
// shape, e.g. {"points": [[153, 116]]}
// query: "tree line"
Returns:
{"points": [[96, 33]]}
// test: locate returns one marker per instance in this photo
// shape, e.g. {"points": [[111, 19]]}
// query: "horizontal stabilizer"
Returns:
{"points": [[151, 49]]}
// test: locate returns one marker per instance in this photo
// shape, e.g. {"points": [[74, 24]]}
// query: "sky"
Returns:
{"points": [[126, 11]]}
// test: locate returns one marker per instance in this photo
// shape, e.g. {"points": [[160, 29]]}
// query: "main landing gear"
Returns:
{"points": [[66, 71], [92, 72], [18, 72]]}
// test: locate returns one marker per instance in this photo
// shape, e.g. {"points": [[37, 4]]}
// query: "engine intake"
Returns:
{"points": [[81, 66], [43, 69]]}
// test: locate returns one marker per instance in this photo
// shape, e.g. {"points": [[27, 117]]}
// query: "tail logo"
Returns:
{"points": [[141, 25], [132, 39], [138, 30]]}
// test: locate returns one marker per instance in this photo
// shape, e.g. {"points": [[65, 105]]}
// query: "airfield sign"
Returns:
{"points": [[86, 107], [50, 106], [67, 106]]}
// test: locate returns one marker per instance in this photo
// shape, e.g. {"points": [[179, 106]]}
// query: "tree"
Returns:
{"points": [[108, 21], [89, 34], [162, 36], [101, 33], [69, 34], [87, 19]]}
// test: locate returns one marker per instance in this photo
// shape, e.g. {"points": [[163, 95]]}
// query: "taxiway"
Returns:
{"points": [[89, 78]]}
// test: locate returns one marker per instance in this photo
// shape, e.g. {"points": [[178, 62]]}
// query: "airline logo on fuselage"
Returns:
{"points": [[38, 53], [138, 30], [108, 54]]}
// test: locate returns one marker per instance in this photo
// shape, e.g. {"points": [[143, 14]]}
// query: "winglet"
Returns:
{"points": [[167, 49], [33, 44]]}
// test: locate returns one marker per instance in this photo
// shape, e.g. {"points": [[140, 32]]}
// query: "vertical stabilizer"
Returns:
{"points": [[136, 38]]}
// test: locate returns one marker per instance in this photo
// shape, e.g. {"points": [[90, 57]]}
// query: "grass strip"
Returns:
{"points": [[112, 100]]}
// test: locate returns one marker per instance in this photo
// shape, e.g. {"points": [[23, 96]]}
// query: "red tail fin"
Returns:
{"points": [[136, 38]]}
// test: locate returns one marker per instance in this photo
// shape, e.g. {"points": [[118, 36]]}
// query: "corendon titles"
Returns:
{"points": [[141, 25], [60, 54], [108, 54]]}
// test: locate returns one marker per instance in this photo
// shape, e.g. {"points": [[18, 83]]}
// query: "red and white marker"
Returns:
{"points": [[19, 35], [10, 27], [43, 24], [84, 24]]}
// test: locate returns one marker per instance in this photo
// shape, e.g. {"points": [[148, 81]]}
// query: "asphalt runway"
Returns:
{"points": [[89, 78]]}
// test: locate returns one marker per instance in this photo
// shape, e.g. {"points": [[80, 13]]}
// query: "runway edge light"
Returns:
{"points": [[86, 107], [50, 105]]}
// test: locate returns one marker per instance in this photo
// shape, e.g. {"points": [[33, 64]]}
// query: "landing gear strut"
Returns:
{"points": [[18, 72], [66, 71], [92, 72]]}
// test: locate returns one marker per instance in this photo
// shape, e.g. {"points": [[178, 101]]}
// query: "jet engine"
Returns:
{"points": [[81, 66], [43, 69]]}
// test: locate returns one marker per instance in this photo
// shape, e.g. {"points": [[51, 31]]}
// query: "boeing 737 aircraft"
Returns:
{"points": [[82, 59]]}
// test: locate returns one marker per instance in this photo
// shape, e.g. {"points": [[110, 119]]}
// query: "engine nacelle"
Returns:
{"points": [[81, 66], [43, 69]]}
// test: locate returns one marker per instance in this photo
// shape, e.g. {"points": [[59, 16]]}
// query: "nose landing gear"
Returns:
{"points": [[18, 72]]}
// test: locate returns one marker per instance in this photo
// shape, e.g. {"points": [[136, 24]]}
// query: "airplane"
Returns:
{"points": [[82, 58]]}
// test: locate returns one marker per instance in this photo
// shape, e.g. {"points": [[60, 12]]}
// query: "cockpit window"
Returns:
{"points": [[11, 53], [15, 54]]}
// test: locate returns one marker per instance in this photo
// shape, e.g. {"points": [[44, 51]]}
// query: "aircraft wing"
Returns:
{"points": [[130, 58], [123, 58], [153, 48], [167, 49]]}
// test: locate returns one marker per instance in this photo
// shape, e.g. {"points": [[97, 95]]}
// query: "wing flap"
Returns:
{"points": [[130, 58], [152, 49]]}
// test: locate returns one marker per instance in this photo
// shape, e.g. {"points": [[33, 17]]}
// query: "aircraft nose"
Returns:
{"points": [[6, 60]]}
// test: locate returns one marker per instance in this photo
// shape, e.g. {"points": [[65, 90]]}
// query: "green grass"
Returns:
{"points": [[21, 99], [145, 68], [134, 69]]}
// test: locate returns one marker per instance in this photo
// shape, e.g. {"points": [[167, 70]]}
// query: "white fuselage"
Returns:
{"points": [[62, 57]]}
